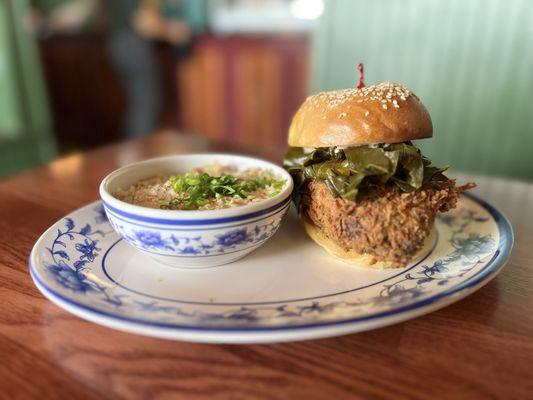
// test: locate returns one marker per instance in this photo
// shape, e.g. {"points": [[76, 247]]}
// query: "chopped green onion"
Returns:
{"points": [[198, 188]]}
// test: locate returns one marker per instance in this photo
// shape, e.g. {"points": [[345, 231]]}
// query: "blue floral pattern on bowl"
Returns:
{"points": [[182, 246]]}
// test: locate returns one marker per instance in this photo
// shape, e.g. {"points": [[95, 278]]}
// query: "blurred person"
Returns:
{"points": [[133, 57], [136, 25]]}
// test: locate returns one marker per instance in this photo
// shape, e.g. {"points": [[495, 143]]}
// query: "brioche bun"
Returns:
{"points": [[383, 113], [352, 257]]}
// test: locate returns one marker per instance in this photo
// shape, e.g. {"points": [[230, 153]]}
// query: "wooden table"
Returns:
{"points": [[481, 347]]}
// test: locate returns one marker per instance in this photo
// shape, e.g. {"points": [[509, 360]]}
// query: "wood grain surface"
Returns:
{"points": [[481, 347]]}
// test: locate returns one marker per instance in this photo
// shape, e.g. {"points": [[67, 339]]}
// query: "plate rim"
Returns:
{"points": [[266, 336], [489, 271]]}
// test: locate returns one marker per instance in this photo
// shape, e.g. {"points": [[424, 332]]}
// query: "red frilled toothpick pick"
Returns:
{"points": [[361, 76]]}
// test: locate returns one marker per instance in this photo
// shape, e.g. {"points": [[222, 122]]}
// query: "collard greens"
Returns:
{"points": [[351, 173]]}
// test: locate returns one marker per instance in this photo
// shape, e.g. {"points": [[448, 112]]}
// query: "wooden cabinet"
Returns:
{"points": [[243, 89], [238, 89]]}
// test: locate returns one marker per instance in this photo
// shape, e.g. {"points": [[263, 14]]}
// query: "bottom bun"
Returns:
{"points": [[351, 256]]}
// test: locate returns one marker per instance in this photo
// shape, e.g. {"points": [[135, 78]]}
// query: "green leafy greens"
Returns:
{"points": [[353, 172], [196, 189]]}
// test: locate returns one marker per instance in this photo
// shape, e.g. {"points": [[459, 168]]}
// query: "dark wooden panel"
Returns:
{"points": [[85, 94]]}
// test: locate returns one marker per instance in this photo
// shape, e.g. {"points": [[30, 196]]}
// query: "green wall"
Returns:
{"points": [[25, 123], [10, 111], [470, 61]]}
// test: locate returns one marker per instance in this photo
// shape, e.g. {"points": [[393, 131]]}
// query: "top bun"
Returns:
{"points": [[384, 113]]}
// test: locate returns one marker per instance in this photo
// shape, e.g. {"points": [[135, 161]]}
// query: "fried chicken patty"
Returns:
{"points": [[391, 226]]}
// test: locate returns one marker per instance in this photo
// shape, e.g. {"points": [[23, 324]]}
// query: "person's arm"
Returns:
{"points": [[150, 23], [65, 17], [70, 17]]}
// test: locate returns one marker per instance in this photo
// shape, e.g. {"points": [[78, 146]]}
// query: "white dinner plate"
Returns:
{"points": [[288, 289]]}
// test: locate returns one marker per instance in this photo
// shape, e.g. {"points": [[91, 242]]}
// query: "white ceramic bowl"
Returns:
{"points": [[199, 238]]}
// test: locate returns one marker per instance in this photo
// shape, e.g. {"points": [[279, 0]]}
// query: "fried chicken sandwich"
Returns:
{"points": [[365, 193]]}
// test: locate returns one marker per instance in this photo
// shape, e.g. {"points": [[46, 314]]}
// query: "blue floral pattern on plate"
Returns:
{"points": [[474, 241]]}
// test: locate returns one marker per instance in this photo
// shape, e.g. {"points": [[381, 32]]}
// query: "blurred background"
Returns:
{"points": [[77, 74]]}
